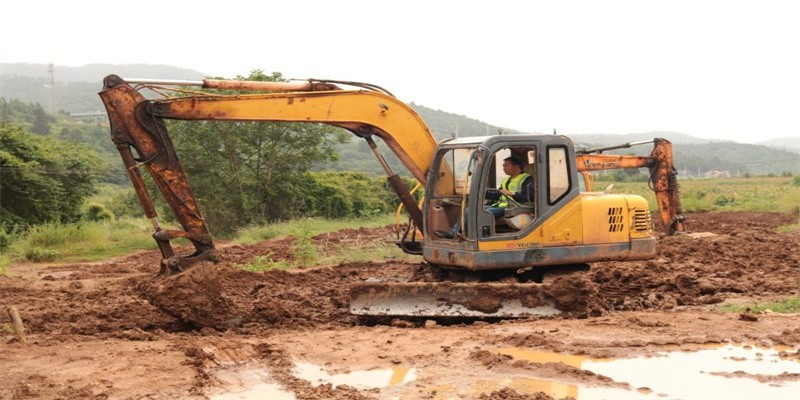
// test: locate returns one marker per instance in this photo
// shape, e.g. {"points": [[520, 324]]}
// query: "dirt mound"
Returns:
{"points": [[744, 256], [688, 270], [222, 297]]}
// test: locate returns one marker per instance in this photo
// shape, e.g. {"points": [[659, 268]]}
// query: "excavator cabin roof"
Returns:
{"points": [[490, 140]]}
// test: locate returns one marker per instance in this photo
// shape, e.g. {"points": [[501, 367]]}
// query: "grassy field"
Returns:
{"points": [[771, 194], [88, 241], [81, 241]]}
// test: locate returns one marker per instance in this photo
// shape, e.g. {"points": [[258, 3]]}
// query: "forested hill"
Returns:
{"points": [[75, 91]]}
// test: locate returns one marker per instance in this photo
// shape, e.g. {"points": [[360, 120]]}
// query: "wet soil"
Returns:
{"points": [[114, 330]]}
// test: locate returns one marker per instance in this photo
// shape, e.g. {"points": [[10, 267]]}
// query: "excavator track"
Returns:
{"points": [[568, 293], [426, 299]]}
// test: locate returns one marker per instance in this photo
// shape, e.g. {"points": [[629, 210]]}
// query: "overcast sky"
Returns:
{"points": [[722, 69]]}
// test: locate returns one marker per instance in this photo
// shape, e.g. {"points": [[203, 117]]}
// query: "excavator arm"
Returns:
{"points": [[663, 176], [137, 124]]}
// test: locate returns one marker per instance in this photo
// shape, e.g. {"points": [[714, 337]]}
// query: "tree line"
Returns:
{"points": [[241, 173]]}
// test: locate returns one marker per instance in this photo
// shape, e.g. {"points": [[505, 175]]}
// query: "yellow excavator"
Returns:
{"points": [[494, 265]]}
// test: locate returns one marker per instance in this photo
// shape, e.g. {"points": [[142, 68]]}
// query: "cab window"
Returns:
{"points": [[452, 174], [558, 173]]}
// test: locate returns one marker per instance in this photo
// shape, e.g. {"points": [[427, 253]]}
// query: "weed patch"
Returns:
{"points": [[264, 263], [5, 261], [788, 306], [38, 254]]}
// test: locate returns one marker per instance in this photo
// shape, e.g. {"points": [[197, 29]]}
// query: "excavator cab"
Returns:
{"points": [[464, 174], [457, 169]]}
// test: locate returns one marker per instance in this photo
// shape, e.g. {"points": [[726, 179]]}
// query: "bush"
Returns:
{"points": [[97, 212], [796, 180], [335, 205], [723, 200], [303, 248], [5, 239], [38, 254]]}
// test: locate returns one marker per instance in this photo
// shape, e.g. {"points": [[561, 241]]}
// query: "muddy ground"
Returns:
{"points": [[92, 332]]}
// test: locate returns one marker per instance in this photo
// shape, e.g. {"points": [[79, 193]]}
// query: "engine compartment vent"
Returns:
{"points": [[641, 221], [615, 219]]}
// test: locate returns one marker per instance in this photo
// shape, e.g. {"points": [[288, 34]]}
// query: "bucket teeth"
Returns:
{"points": [[424, 299]]}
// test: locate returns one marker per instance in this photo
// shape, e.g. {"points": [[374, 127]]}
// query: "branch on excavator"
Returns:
{"points": [[663, 175]]}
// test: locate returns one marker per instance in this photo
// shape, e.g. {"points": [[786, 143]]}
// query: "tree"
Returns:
{"points": [[245, 172], [43, 179], [42, 120]]}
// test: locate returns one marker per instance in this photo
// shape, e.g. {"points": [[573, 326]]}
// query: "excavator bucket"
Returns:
{"points": [[447, 299]]}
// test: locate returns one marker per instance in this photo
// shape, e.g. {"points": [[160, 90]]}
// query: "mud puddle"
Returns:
{"points": [[730, 371], [257, 384], [372, 379], [260, 391]]}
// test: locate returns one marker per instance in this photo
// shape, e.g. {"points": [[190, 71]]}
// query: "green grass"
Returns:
{"points": [[365, 253], [307, 227], [304, 251], [5, 261], [84, 241], [89, 241], [734, 194], [265, 263], [334, 256], [789, 228], [788, 306]]}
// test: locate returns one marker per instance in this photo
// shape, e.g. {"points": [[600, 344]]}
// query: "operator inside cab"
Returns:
{"points": [[515, 189]]}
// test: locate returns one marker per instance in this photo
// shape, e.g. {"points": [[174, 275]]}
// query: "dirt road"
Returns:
{"points": [[92, 333]]}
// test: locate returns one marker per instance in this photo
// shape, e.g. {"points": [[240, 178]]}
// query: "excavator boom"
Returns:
{"points": [[137, 123]]}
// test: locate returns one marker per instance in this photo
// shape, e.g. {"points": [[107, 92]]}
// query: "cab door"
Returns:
{"points": [[518, 216]]}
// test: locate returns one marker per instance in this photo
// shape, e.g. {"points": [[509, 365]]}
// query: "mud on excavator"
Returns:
{"points": [[493, 267]]}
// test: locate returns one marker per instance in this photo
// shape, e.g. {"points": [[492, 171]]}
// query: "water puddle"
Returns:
{"points": [[260, 391], [372, 379], [250, 383], [730, 372], [256, 384]]}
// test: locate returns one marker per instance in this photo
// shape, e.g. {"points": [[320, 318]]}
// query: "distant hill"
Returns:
{"points": [[75, 91], [784, 143], [96, 72], [606, 139], [445, 125], [75, 88]]}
